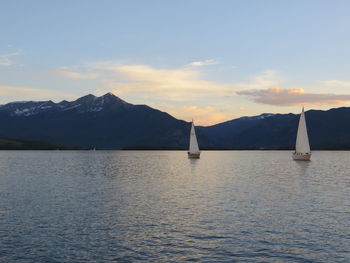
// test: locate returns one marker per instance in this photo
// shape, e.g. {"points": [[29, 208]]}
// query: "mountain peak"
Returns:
{"points": [[109, 94], [84, 104], [110, 97]]}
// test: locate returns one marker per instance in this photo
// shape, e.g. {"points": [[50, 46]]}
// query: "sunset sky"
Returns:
{"points": [[208, 60]]}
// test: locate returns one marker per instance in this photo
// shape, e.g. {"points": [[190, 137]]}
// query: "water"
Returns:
{"points": [[159, 206]]}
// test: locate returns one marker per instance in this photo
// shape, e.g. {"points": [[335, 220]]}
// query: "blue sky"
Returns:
{"points": [[210, 60]]}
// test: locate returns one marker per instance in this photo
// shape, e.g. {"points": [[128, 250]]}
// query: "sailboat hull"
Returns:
{"points": [[193, 155], [301, 156]]}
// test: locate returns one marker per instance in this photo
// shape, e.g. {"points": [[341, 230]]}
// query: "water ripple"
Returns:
{"points": [[117, 206]]}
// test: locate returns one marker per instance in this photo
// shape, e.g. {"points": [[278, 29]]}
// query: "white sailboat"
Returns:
{"points": [[193, 151], [302, 146]]}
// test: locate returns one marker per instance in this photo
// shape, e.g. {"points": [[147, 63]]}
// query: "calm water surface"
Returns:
{"points": [[159, 206]]}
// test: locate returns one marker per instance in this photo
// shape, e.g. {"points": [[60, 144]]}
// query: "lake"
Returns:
{"points": [[159, 206]]}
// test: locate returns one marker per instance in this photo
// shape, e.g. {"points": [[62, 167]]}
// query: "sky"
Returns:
{"points": [[210, 61]]}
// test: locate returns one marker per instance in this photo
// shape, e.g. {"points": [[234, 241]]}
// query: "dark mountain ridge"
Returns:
{"points": [[108, 122], [105, 122], [327, 130]]}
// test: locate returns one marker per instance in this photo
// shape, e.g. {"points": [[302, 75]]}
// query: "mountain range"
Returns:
{"points": [[108, 122]]}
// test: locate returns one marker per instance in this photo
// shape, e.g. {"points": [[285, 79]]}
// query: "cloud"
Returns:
{"points": [[5, 59], [292, 97], [266, 79], [169, 84], [5, 62], [203, 63], [67, 72], [147, 82], [20, 93], [201, 115], [336, 83]]}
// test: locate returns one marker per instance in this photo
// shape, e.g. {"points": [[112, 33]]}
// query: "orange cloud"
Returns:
{"points": [[201, 115], [293, 97], [296, 91]]}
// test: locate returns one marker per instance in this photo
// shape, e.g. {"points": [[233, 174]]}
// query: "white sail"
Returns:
{"points": [[302, 143], [194, 149]]}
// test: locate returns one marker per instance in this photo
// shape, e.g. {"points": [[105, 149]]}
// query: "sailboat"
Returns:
{"points": [[302, 146], [193, 151]]}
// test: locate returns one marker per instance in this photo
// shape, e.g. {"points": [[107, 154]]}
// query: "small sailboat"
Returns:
{"points": [[193, 151], [302, 146]]}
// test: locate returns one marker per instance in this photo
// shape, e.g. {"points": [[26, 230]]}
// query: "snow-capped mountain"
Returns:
{"points": [[105, 122], [259, 117], [88, 103]]}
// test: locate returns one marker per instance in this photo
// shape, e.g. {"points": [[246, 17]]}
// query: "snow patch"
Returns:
{"points": [[45, 107], [94, 109], [72, 107], [23, 112], [260, 117]]}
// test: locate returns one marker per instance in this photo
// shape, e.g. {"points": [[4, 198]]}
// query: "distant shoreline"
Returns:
{"points": [[165, 150], [8, 144]]}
